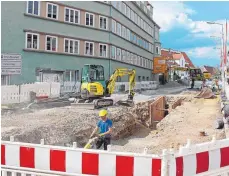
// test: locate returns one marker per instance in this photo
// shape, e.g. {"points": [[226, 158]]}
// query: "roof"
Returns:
{"points": [[177, 56], [187, 59], [210, 69]]}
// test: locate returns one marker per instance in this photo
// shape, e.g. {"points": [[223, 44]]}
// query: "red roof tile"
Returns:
{"points": [[210, 69], [187, 59]]}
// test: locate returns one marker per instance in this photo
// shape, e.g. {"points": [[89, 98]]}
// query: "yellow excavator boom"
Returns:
{"points": [[120, 72]]}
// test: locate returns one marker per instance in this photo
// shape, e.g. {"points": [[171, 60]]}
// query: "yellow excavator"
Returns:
{"points": [[95, 90]]}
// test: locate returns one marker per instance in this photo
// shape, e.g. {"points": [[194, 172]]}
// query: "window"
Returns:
{"points": [[118, 6], [103, 22], [33, 7], [71, 75], [32, 41], [131, 36], [113, 52], [51, 43], [119, 29], [142, 61], [119, 55], [147, 78], [135, 39], [71, 46], [157, 50], [150, 47], [135, 18], [135, 59], [5, 80], [123, 32], [138, 3], [52, 11], [139, 61], [127, 57], [139, 21], [89, 19], [128, 12], [144, 25], [102, 50], [132, 15], [132, 58], [72, 16], [113, 25], [89, 48], [128, 34], [123, 8], [123, 55]]}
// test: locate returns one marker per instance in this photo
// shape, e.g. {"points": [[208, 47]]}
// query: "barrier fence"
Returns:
{"points": [[21, 93], [210, 158]]}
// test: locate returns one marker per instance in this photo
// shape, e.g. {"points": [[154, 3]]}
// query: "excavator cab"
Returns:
{"points": [[93, 73]]}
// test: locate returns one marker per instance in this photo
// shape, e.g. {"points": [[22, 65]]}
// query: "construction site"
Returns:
{"points": [[161, 120]]}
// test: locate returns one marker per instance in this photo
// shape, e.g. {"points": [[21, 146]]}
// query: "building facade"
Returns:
{"points": [[56, 39], [177, 63]]}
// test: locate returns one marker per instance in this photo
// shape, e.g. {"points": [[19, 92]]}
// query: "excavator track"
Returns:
{"points": [[95, 104]]}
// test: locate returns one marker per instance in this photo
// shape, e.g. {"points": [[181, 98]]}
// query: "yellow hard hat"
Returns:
{"points": [[102, 112]]}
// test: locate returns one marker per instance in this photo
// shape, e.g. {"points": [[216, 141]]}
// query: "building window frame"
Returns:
{"points": [[93, 24], [74, 42], [74, 21], [106, 52], [113, 55], [128, 11], [123, 8], [123, 31], [119, 29], [114, 26], [93, 48], [33, 11], [119, 51], [52, 37], [124, 55], [57, 10], [103, 17], [26, 40]]}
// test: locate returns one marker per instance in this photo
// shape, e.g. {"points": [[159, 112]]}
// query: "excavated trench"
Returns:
{"points": [[64, 125]]}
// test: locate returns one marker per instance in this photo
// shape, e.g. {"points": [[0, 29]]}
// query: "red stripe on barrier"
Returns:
{"points": [[124, 166], [27, 157], [202, 160], [90, 163], [179, 166], [3, 151], [156, 167], [224, 157], [57, 160]]}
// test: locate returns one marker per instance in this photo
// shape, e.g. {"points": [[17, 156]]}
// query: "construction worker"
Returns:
{"points": [[105, 127]]}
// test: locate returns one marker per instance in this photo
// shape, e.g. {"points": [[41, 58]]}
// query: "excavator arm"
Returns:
{"points": [[120, 72]]}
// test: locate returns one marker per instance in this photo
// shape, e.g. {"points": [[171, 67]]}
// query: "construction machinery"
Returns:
{"points": [[196, 74], [95, 90]]}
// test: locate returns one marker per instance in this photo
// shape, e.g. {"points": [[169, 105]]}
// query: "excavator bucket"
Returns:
{"points": [[128, 103], [206, 93]]}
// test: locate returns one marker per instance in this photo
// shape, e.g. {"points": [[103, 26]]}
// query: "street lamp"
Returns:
{"points": [[223, 64]]}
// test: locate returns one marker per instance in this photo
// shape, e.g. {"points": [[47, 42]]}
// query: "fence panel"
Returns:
{"points": [[10, 94]]}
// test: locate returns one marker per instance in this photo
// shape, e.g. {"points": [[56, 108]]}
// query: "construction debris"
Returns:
{"points": [[206, 93]]}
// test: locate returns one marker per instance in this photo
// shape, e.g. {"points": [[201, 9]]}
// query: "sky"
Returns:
{"points": [[184, 28]]}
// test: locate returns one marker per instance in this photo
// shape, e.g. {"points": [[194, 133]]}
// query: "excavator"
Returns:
{"points": [[95, 90]]}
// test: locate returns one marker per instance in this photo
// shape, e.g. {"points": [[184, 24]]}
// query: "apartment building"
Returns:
{"points": [[56, 38]]}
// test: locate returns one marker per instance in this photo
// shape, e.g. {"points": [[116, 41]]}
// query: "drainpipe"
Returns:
{"points": [[110, 43]]}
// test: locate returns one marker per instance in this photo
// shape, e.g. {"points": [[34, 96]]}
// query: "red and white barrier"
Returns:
{"points": [[201, 158], [210, 158], [78, 161]]}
